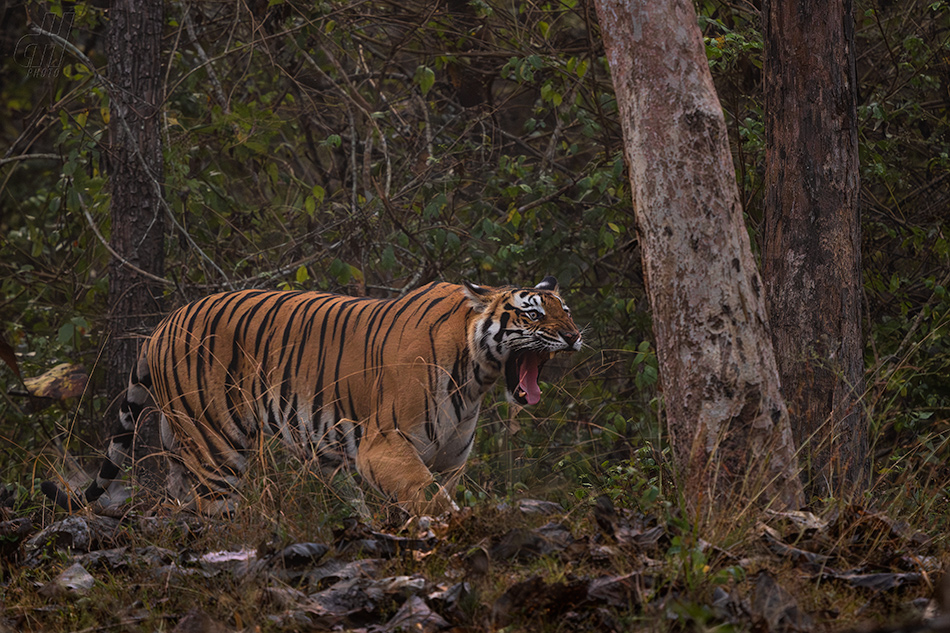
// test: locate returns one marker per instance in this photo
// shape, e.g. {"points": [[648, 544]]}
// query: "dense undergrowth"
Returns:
{"points": [[294, 557], [335, 147]]}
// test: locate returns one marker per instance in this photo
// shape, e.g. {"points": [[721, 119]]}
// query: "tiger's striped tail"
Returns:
{"points": [[137, 399]]}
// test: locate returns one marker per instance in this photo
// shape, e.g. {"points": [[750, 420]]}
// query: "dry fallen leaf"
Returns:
{"points": [[66, 380]]}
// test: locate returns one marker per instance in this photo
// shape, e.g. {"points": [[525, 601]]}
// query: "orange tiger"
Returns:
{"points": [[392, 385]]}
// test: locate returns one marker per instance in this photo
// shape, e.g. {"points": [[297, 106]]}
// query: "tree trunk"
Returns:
{"points": [[728, 425], [135, 165], [812, 251]]}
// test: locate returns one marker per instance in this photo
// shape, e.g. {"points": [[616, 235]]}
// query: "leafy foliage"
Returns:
{"points": [[374, 146], [371, 147], [364, 149]]}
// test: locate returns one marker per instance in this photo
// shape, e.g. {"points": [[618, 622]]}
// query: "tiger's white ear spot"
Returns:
{"points": [[477, 296], [548, 283]]}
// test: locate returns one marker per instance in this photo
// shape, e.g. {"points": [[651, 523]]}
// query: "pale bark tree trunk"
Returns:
{"points": [[135, 168], [728, 425], [812, 250]]}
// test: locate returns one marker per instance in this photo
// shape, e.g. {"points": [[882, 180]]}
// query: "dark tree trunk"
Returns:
{"points": [[135, 164], [812, 254], [728, 424]]}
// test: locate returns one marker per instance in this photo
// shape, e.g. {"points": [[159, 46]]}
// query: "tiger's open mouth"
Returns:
{"points": [[521, 376]]}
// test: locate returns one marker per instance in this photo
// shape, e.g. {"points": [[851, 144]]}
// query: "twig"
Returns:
{"points": [[122, 260], [354, 207], [382, 137], [551, 196], [212, 75], [558, 126], [428, 125], [13, 159]]}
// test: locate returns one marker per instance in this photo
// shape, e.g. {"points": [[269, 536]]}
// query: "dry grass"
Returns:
{"points": [[687, 576]]}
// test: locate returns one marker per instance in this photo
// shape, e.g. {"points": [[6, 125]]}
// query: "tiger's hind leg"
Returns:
{"points": [[192, 486], [137, 399]]}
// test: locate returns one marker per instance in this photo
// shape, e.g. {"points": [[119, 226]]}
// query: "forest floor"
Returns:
{"points": [[526, 565]]}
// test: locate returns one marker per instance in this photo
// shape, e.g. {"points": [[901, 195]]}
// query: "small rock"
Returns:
{"points": [[75, 581], [415, 615]]}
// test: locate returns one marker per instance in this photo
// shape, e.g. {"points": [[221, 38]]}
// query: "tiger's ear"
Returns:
{"points": [[548, 283], [478, 296]]}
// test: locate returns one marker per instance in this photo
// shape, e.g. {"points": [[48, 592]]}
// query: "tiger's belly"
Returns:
{"points": [[449, 449]]}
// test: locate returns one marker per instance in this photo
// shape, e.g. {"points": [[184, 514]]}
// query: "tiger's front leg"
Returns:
{"points": [[389, 461]]}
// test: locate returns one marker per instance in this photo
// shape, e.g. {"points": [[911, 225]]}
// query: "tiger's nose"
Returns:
{"points": [[570, 338]]}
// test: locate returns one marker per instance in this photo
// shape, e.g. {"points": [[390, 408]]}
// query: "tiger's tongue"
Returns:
{"points": [[528, 378]]}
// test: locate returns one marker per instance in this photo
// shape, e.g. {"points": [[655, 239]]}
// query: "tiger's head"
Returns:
{"points": [[517, 330]]}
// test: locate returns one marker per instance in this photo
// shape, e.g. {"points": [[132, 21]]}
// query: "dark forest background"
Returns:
{"points": [[370, 147]]}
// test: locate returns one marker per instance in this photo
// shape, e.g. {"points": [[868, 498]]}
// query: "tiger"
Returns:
{"points": [[392, 386]]}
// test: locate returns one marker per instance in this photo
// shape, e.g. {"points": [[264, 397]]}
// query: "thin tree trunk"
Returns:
{"points": [[812, 251], [135, 173], [728, 425]]}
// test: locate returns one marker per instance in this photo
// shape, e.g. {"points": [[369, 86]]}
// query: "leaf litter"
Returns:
{"points": [[527, 566]]}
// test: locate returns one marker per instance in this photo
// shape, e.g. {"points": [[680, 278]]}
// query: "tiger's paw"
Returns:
{"points": [[436, 526]]}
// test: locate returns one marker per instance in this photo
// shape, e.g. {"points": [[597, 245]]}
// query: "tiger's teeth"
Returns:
{"points": [[550, 355]]}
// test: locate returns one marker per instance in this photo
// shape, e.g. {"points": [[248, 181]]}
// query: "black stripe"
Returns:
{"points": [[345, 309], [322, 358], [292, 420], [427, 422], [406, 303], [266, 333], [286, 352], [266, 324], [232, 388], [372, 354], [468, 444], [458, 380], [503, 320]]}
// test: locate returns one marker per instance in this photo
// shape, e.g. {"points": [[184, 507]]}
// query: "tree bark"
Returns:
{"points": [[135, 173], [812, 250], [728, 424]]}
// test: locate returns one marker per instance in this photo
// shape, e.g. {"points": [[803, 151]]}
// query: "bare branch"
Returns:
{"points": [[14, 159]]}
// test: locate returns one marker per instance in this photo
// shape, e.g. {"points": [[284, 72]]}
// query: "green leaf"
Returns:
{"points": [[302, 274], [272, 173], [425, 78], [65, 334], [548, 93], [453, 242], [435, 207], [340, 271], [387, 259], [582, 68]]}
